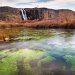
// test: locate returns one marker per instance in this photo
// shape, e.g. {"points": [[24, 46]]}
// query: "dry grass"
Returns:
{"points": [[39, 24]]}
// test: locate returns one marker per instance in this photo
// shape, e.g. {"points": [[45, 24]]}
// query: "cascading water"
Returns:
{"points": [[23, 14]]}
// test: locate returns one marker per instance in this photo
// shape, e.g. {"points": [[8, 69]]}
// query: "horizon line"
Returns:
{"points": [[40, 7]]}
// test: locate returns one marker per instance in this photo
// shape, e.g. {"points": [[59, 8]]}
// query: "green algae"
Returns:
{"points": [[8, 65]]}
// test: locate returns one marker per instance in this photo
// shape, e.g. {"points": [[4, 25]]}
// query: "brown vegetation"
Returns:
{"points": [[46, 18], [38, 24]]}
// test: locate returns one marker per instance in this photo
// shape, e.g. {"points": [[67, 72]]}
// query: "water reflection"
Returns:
{"points": [[38, 52]]}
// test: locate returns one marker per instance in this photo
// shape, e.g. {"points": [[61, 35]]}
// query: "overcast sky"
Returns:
{"points": [[55, 4]]}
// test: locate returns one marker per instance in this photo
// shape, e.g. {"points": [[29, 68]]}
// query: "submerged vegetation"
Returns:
{"points": [[70, 60], [21, 34], [11, 64], [29, 62], [37, 52]]}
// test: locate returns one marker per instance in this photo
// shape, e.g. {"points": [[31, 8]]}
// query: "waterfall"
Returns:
{"points": [[24, 15]]}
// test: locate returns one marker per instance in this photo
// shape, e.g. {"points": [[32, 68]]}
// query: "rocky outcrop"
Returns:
{"points": [[50, 14], [37, 13]]}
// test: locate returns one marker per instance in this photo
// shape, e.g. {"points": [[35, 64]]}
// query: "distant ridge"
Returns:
{"points": [[54, 17]]}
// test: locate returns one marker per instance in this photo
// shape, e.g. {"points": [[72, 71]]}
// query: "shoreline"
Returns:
{"points": [[38, 24]]}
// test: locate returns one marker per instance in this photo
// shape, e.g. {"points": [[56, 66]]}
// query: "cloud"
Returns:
{"points": [[24, 5], [10, 0], [55, 4], [65, 1], [43, 0]]}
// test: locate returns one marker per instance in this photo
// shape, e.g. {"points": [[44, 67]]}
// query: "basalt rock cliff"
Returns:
{"points": [[54, 17]]}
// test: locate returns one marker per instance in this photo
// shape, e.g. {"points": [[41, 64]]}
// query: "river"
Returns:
{"points": [[37, 51]]}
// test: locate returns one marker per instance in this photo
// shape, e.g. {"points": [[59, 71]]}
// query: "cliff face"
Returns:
{"points": [[55, 16], [50, 14], [37, 13]]}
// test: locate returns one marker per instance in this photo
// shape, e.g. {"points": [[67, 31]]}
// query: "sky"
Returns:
{"points": [[53, 4]]}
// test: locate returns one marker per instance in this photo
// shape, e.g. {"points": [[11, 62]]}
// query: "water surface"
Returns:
{"points": [[37, 51]]}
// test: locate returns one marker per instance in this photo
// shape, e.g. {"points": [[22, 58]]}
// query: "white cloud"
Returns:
{"points": [[56, 4], [14, 2], [65, 1]]}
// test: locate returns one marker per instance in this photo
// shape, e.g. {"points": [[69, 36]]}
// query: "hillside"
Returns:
{"points": [[41, 17], [9, 14]]}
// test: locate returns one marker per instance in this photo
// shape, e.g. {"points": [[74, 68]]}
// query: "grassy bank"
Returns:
{"points": [[38, 24]]}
